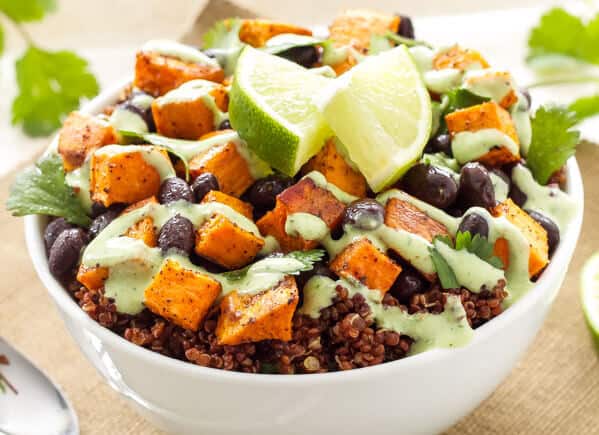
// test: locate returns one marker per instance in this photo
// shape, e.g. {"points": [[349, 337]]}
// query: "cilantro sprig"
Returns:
{"points": [[553, 141], [307, 259], [43, 190], [477, 245], [50, 83]]}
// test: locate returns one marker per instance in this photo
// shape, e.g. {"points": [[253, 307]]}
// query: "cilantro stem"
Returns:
{"points": [[564, 81], [22, 31]]}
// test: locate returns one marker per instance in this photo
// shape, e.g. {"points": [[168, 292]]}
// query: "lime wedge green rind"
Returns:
{"points": [[589, 285], [381, 111], [272, 110]]}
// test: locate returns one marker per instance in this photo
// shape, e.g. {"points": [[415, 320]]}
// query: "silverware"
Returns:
{"points": [[30, 403]]}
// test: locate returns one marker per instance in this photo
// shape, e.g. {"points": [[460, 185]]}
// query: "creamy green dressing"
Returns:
{"points": [[447, 329], [486, 83], [321, 181], [180, 51], [141, 100], [501, 188], [443, 80], [548, 200], [324, 71], [127, 120], [152, 155], [437, 111], [468, 146], [79, 180], [521, 118], [441, 160], [423, 57], [334, 55], [306, 225]]}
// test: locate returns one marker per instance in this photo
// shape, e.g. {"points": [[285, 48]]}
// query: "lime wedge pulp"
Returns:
{"points": [[381, 111], [589, 285], [272, 110]]}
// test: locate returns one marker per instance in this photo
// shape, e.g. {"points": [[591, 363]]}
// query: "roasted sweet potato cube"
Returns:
{"points": [[124, 177], [273, 224], [303, 197], [486, 78], [489, 115], [459, 58], [157, 74], [80, 136], [256, 32], [256, 317], [140, 204], [221, 241], [228, 166], [184, 113], [534, 233], [145, 231], [337, 171], [236, 204], [402, 215], [181, 295], [92, 277], [356, 27], [363, 262]]}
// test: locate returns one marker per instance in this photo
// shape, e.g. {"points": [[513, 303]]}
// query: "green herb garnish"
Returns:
{"points": [[553, 141], [306, 258], [223, 41], [444, 271], [43, 190], [585, 107]]}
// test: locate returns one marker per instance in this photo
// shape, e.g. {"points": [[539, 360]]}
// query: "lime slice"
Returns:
{"points": [[589, 281], [272, 110], [381, 111]]}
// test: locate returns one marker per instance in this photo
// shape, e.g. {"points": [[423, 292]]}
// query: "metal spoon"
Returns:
{"points": [[31, 403]]}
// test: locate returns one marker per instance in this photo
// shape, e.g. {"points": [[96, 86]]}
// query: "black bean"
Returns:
{"points": [[65, 251], [102, 221], [174, 189], [203, 184], [407, 285], [517, 195], [53, 230], [553, 236], [440, 143], [430, 184], [406, 28], [98, 208], [365, 214], [305, 56], [177, 234], [263, 193], [476, 187], [474, 224], [225, 125]]}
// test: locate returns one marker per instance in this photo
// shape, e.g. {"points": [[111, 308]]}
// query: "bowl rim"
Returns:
{"points": [[563, 254]]}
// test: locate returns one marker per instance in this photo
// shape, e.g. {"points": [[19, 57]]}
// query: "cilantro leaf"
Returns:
{"points": [[43, 190], [1, 40], [560, 32], [460, 98], [51, 84], [479, 246], [307, 258], [222, 39], [553, 141], [444, 271], [27, 10], [585, 107]]}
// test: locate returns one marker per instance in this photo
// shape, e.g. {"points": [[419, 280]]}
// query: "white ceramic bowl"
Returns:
{"points": [[422, 394]]}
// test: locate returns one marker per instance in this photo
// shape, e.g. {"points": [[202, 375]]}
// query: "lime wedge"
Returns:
{"points": [[589, 281], [381, 111], [272, 110]]}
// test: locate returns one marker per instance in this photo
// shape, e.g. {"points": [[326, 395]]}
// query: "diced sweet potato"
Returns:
{"points": [[348, 63], [491, 77], [236, 204], [363, 262], [92, 277], [188, 118], [140, 204], [405, 216], [181, 295], [144, 230], [337, 171], [157, 74], [221, 241], [80, 136], [228, 166], [256, 317], [123, 178], [485, 116], [303, 197], [459, 58], [356, 27], [256, 31], [534, 233]]}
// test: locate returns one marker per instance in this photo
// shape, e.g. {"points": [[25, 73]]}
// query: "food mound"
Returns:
{"points": [[276, 202]]}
